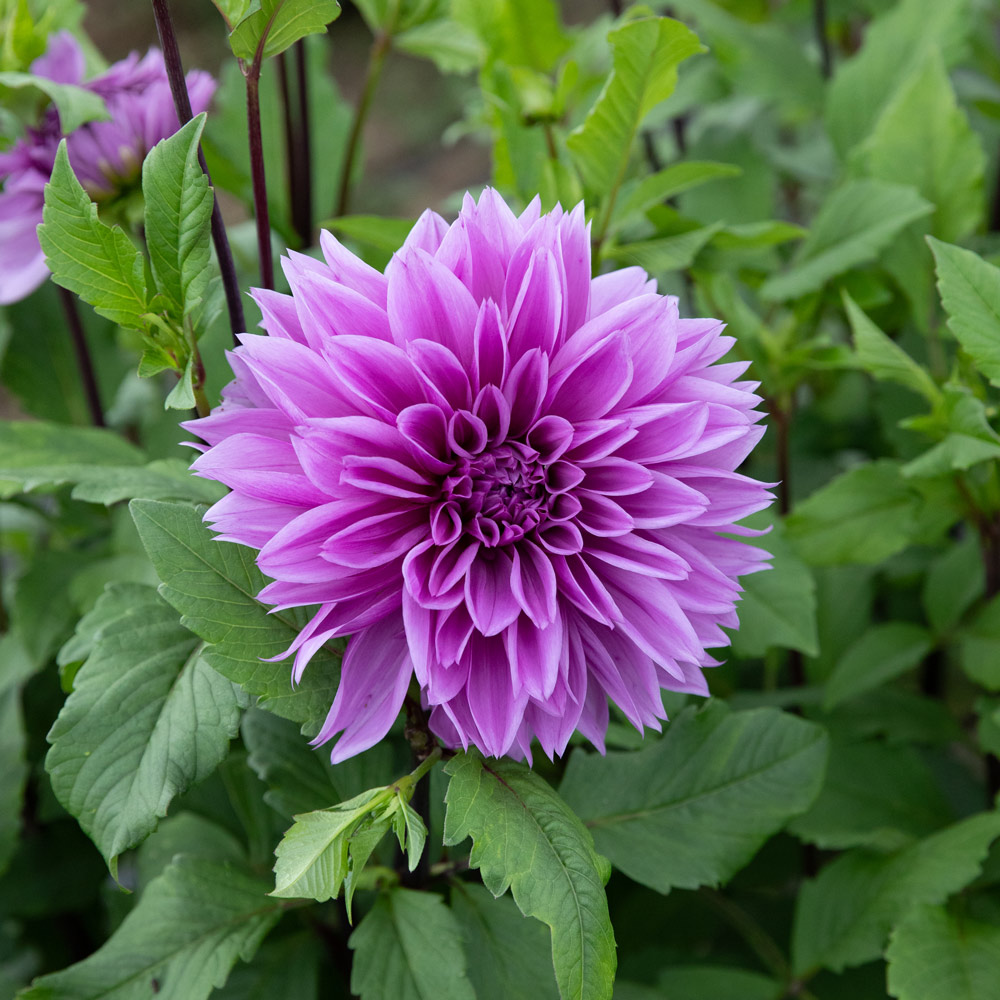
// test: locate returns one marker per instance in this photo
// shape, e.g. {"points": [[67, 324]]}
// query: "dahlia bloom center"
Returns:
{"points": [[507, 480]]}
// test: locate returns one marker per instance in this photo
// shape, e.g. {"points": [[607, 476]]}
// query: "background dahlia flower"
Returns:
{"points": [[106, 156], [497, 474]]}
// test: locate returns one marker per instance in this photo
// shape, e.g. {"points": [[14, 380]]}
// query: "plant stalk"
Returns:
{"points": [[376, 60], [304, 144], [182, 105], [83, 359], [822, 39], [257, 173]]}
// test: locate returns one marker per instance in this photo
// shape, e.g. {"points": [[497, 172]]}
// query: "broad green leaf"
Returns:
{"points": [[233, 11], [212, 584], [706, 982], [312, 858], [864, 515], [508, 954], [185, 933], [970, 293], [664, 184], [147, 718], [855, 223], [34, 453], [883, 358], [178, 212], [777, 607], [185, 833], [844, 915], [876, 796], [407, 948], [450, 45], [694, 807], [286, 968], [163, 479], [517, 33], [75, 105], [756, 235], [953, 582], [924, 139], [646, 55], [897, 716], [13, 770], [933, 954], [895, 45], [527, 839], [880, 654], [383, 233], [664, 253], [42, 613], [278, 24], [96, 261], [980, 647]]}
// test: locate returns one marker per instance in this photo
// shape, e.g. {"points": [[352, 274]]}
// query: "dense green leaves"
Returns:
{"points": [[146, 719], [526, 839], [96, 261], [646, 54], [178, 212], [408, 947], [934, 954], [212, 584], [856, 222], [276, 24], [846, 912], [184, 935], [13, 768], [74, 104], [665, 815]]}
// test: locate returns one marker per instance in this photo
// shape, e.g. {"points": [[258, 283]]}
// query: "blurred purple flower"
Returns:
{"points": [[497, 474], [106, 156]]}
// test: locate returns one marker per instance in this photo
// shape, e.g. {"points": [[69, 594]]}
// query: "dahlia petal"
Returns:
{"points": [[387, 476], [594, 384], [376, 539], [551, 437], [279, 316], [377, 372], [533, 583], [427, 233], [596, 439], [617, 477], [639, 555], [445, 378], [349, 270], [374, 677], [537, 311], [425, 428], [492, 408], [602, 516], [574, 239], [524, 390], [492, 701], [490, 346], [534, 654], [615, 287], [248, 520], [328, 309], [488, 594], [668, 501], [454, 628]]}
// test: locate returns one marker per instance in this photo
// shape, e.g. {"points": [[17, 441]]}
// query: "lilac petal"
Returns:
{"points": [[492, 409], [490, 346], [617, 477], [443, 374], [533, 583], [596, 439], [425, 428], [665, 432], [454, 628], [494, 706], [600, 515], [376, 539], [536, 313], [349, 270], [388, 477], [279, 315], [427, 233], [525, 389], [488, 594], [615, 287], [378, 373], [534, 655], [328, 309], [668, 501], [574, 238], [593, 385], [248, 520], [374, 677], [63, 61], [427, 302], [639, 555], [551, 437]]}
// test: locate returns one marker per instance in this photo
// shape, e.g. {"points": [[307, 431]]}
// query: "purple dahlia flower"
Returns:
{"points": [[500, 476], [106, 156]]}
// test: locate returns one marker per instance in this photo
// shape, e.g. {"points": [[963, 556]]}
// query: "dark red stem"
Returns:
{"points": [[83, 360], [257, 173]]}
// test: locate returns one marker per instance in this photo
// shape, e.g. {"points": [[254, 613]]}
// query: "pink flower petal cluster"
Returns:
{"points": [[502, 477], [106, 156]]}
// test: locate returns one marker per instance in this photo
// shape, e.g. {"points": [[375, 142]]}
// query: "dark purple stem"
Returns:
{"points": [[819, 23], [304, 144], [297, 151], [83, 359], [257, 173], [182, 104]]}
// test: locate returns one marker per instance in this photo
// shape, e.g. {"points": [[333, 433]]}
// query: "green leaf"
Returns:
{"points": [[664, 253], [845, 914], [527, 839], [694, 807], [876, 796], [864, 515], [383, 233], [163, 479], [278, 24], [509, 954], [953, 582], [287, 968], [895, 45], [178, 216], [13, 770], [185, 933], [212, 584], [34, 453], [924, 139], [883, 358], [96, 261], [312, 858], [407, 948], [233, 11], [777, 607], [664, 184], [450, 45], [880, 654], [970, 293], [933, 954], [855, 223], [646, 55], [75, 105], [981, 647], [181, 397], [707, 982], [147, 718]]}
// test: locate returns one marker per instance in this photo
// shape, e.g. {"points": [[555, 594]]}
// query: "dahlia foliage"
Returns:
{"points": [[106, 155], [500, 476]]}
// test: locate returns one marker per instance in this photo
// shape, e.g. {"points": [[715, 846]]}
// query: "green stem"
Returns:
{"points": [[762, 944], [376, 61]]}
